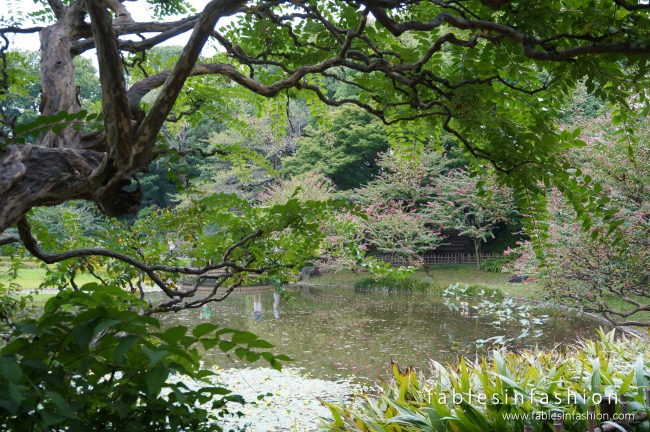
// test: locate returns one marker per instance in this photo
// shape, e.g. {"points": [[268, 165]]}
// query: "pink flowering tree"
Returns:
{"points": [[524, 262], [395, 203], [471, 205], [416, 198], [587, 268]]}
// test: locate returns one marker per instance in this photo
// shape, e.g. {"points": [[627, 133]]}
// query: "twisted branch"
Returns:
{"points": [[31, 244]]}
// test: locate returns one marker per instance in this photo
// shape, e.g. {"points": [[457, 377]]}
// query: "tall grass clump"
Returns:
{"points": [[406, 284], [495, 264], [393, 284], [486, 394]]}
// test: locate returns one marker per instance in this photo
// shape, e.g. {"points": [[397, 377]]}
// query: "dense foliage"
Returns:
{"points": [[397, 203], [417, 200], [592, 273], [95, 359], [474, 207], [444, 69], [191, 138], [339, 250], [495, 394], [345, 150]]}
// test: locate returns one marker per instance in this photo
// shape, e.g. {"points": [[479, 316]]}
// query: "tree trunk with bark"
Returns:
{"points": [[101, 166], [477, 251]]}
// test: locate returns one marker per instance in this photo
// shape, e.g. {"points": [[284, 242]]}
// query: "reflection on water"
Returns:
{"points": [[333, 333]]}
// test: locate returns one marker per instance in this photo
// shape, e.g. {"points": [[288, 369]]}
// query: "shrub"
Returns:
{"points": [[410, 402], [392, 284], [406, 284], [495, 264], [95, 360]]}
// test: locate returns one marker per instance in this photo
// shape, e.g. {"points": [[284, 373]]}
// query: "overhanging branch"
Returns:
{"points": [[526, 41], [31, 244], [9, 240]]}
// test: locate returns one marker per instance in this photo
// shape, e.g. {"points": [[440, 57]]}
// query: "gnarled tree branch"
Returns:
{"points": [[9, 240], [31, 244], [117, 119], [148, 130]]}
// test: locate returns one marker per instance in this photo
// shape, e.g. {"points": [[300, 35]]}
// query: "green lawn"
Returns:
{"points": [[469, 274], [446, 275], [32, 276]]}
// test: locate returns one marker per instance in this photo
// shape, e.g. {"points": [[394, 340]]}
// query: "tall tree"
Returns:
{"points": [[474, 208], [345, 149]]}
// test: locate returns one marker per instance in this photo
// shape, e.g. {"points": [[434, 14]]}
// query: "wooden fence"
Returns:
{"points": [[606, 414], [398, 260]]}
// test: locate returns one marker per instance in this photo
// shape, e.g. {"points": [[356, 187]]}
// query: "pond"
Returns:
{"points": [[336, 333]]}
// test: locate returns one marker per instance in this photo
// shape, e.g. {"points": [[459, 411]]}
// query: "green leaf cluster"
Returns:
{"points": [[56, 123], [95, 359], [495, 394], [346, 151]]}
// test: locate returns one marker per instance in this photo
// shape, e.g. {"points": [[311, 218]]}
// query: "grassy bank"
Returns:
{"points": [[32, 276], [444, 275], [441, 277]]}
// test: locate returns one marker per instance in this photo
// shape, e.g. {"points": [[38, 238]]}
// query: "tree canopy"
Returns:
{"points": [[346, 150], [492, 81]]}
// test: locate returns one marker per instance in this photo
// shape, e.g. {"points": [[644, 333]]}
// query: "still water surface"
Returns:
{"points": [[333, 333]]}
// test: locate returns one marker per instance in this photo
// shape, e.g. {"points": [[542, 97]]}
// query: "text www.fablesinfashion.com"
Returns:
{"points": [[573, 416]]}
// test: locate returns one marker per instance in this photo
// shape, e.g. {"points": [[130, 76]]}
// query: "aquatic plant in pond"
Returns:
{"points": [[474, 290], [504, 312]]}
